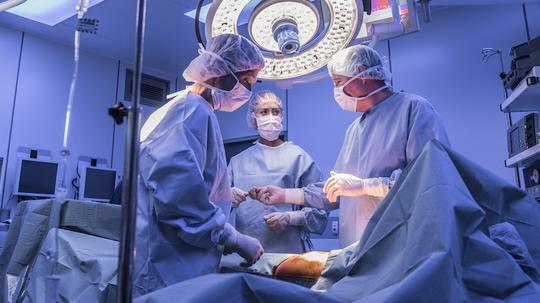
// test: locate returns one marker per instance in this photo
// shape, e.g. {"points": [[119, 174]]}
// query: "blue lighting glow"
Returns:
{"points": [[50, 12], [204, 13]]}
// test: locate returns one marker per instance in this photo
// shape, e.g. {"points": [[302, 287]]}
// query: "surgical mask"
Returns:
{"points": [[229, 101], [269, 127], [347, 102]]}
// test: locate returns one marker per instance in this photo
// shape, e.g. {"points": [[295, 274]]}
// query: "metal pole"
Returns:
{"points": [[509, 119], [526, 19], [131, 169]]}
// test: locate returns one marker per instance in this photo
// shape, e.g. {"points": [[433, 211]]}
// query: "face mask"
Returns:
{"points": [[347, 102], [269, 127], [228, 101]]}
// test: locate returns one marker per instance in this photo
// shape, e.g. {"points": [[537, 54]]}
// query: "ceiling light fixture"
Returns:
{"points": [[297, 37], [50, 12]]}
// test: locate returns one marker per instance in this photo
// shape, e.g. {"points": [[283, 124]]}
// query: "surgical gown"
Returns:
{"points": [[378, 144], [184, 195], [287, 166]]}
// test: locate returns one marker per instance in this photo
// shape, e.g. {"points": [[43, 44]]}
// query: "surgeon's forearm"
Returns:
{"points": [[297, 218], [294, 196], [316, 198], [228, 235], [379, 187]]}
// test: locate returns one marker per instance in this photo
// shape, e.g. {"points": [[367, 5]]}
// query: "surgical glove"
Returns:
{"points": [[343, 185], [352, 186], [277, 221], [247, 247], [254, 192], [239, 196], [271, 195]]}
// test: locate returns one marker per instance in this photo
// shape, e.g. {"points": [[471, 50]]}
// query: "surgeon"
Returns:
{"points": [[184, 193], [389, 133], [281, 228]]}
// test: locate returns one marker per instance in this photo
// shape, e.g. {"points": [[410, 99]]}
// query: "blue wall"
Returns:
{"points": [[33, 98], [39, 107], [9, 61], [450, 73]]}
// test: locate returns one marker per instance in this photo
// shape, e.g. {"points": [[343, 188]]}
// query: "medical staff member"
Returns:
{"points": [[391, 131], [184, 191], [281, 228]]}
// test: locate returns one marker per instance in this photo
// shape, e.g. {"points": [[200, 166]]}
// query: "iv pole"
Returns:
{"points": [[131, 169]]}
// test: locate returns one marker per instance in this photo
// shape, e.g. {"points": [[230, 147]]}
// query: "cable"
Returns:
{"points": [[487, 54], [197, 24]]}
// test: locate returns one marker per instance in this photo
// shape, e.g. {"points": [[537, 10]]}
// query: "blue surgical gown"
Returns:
{"points": [[286, 166], [184, 196], [378, 144]]}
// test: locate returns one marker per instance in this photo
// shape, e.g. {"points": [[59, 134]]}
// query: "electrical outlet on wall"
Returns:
{"points": [[335, 227]]}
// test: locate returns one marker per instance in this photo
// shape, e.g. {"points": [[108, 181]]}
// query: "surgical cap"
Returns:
{"points": [[224, 54], [262, 99], [354, 60]]}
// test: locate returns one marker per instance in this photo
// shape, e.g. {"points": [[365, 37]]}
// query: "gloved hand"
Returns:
{"points": [[343, 185], [247, 247], [277, 221], [239, 196], [254, 192], [271, 195]]}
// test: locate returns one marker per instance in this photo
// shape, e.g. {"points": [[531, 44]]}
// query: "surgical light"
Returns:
{"points": [[291, 23], [286, 35], [296, 37]]}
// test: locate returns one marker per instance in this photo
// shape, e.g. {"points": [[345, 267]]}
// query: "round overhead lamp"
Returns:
{"points": [[297, 37]]}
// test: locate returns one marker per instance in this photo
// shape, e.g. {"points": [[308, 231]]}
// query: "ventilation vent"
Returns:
{"points": [[153, 90]]}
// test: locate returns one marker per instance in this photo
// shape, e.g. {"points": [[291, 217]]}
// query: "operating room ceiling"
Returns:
{"points": [[170, 38]]}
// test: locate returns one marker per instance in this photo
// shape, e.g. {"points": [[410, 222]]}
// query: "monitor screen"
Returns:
{"points": [[514, 141], [99, 183], [37, 177]]}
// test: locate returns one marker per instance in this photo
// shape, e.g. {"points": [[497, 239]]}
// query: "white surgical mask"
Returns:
{"points": [[269, 127], [228, 101], [349, 103]]}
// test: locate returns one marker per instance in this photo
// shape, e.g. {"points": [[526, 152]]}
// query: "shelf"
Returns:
{"points": [[526, 96], [524, 158]]}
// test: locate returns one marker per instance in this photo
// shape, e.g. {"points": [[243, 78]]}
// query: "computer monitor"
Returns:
{"points": [[382, 13], [36, 178], [97, 183]]}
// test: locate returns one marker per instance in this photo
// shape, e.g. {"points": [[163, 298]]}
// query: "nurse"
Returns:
{"points": [[281, 228], [184, 194], [390, 132]]}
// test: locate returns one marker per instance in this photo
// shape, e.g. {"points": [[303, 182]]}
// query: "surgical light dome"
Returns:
{"points": [[296, 37]]}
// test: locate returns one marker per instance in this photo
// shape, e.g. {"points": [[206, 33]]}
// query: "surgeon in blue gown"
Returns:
{"points": [[390, 132], [281, 228], [184, 196]]}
